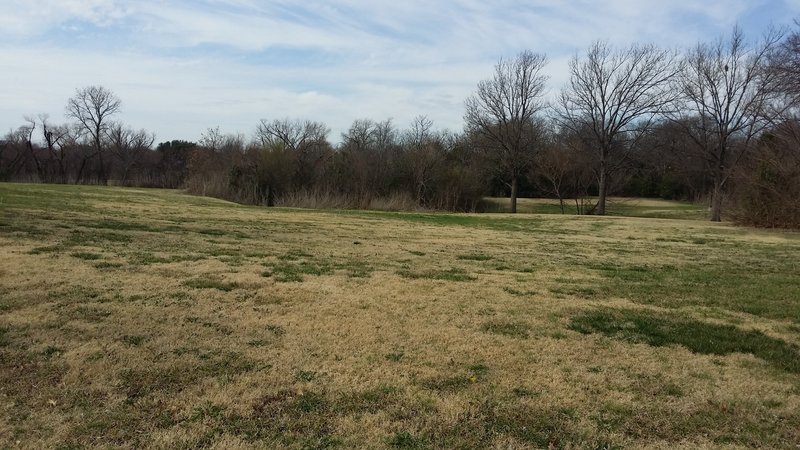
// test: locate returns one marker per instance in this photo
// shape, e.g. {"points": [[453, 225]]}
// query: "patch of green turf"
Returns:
{"points": [[486, 422], [119, 225], [576, 291], [133, 340], [305, 375], [698, 337], [294, 255], [288, 271], [766, 289], [407, 441], [88, 256], [47, 249], [86, 313], [107, 265], [93, 237], [518, 293], [522, 224], [4, 339], [394, 356], [475, 257], [453, 274], [146, 258], [207, 283]]}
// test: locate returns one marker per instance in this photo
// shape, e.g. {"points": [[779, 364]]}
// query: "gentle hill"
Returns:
{"points": [[143, 318]]}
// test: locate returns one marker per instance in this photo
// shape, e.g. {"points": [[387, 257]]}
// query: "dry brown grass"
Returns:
{"points": [[123, 351]]}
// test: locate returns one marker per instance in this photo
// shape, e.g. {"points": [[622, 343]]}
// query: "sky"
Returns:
{"points": [[181, 67]]}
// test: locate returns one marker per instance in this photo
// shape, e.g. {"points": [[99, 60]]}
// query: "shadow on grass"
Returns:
{"points": [[698, 337]]}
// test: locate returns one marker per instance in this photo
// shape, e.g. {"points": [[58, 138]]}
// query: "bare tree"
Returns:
{"points": [[14, 151], [129, 146], [786, 64], [27, 131], [295, 135], [503, 113], [54, 138], [614, 95], [424, 153], [92, 107], [305, 139], [728, 97]]}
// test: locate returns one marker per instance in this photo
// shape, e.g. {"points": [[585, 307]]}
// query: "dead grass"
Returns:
{"points": [[150, 319]]}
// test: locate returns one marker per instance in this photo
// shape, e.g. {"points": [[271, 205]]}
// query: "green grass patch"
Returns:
{"points": [[519, 293], [107, 265], [288, 271], [305, 376], [452, 383], [407, 441], [394, 356], [88, 256], [294, 255], [576, 291], [762, 288], [454, 274], [47, 249], [133, 340], [96, 237], [475, 257], [509, 223], [5, 341], [698, 337], [207, 283], [147, 258]]}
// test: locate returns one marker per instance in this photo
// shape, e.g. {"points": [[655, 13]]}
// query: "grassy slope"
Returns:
{"points": [[145, 318]]}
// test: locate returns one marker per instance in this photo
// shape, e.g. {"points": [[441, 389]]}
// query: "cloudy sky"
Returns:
{"points": [[183, 66]]}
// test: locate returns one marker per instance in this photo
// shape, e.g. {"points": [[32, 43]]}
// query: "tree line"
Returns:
{"points": [[716, 122]]}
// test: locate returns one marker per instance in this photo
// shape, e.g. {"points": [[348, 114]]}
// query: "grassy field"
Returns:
{"points": [[617, 206], [146, 318]]}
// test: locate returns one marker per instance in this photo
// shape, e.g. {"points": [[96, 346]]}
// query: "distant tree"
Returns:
{"points": [[423, 154], [362, 165], [92, 108], [305, 139], [785, 62], [767, 190], [129, 147], [563, 170], [173, 164], [13, 152], [612, 96], [27, 131], [55, 139], [503, 112], [728, 96]]}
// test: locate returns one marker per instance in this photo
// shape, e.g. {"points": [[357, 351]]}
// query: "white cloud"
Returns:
{"points": [[182, 66]]}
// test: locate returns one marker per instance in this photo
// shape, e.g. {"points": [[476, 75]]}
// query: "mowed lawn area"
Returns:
{"points": [[134, 318]]}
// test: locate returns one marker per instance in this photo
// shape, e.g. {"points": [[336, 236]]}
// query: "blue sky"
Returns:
{"points": [[183, 66]]}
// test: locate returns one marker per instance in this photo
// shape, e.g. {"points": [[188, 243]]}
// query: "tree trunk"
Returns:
{"points": [[719, 182], [79, 176], [103, 178], [716, 200], [514, 188], [270, 196], [602, 188]]}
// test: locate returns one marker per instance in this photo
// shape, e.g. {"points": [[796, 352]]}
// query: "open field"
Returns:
{"points": [[617, 206], [146, 318]]}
